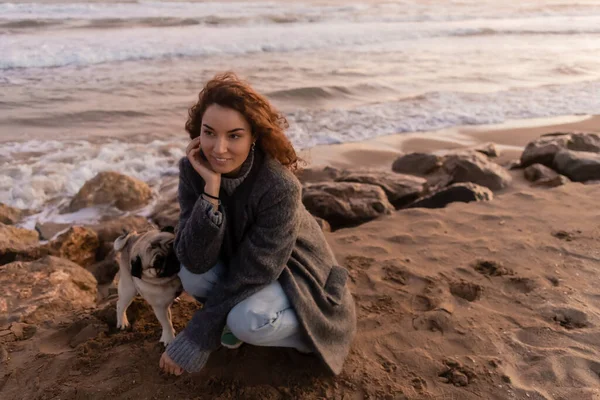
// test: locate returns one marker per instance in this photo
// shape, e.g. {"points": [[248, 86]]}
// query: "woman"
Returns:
{"points": [[249, 249]]}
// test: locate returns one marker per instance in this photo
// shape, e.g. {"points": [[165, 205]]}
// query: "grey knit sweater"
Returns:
{"points": [[271, 237]]}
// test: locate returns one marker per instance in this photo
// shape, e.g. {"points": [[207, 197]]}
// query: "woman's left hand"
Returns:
{"points": [[169, 366]]}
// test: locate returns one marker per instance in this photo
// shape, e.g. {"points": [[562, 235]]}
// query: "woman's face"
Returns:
{"points": [[225, 138]]}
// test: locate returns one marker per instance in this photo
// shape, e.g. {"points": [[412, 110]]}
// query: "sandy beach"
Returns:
{"points": [[487, 300]]}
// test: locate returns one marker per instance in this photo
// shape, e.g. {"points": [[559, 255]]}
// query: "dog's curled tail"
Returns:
{"points": [[121, 242]]}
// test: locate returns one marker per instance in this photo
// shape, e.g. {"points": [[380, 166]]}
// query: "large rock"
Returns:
{"points": [[44, 290], [166, 211], [318, 174], [538, 172], [111, 188], [111, 228], [474, 167], [579, 166], [345, 204], [544, 149], [401, 189], [14, 241], [417, 164], [78, 244], [10, 215], [458, 192], [105, 270]]}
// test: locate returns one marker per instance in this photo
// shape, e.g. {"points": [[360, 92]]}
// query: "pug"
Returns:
{"points": [[148, 266]]}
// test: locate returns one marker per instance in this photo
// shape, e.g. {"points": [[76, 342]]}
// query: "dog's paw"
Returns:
{"points": [[167, 337], [123, 325]]}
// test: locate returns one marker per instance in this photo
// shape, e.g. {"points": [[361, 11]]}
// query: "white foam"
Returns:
{"points": [[30, 182], [88, 47]]}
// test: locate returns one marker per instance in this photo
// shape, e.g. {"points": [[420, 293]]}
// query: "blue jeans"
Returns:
{"points": [[264, 319]]}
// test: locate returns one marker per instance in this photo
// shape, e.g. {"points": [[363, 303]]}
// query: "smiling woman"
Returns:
{"points": [[248, 247]]}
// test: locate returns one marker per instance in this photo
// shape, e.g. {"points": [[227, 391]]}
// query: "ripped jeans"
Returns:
{"points": [[264, 319]]}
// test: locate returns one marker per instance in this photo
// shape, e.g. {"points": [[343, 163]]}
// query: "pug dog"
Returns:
{"points": [[148, 266]]}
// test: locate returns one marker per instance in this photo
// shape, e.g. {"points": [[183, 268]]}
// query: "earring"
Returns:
{"points": [[253, 145]]}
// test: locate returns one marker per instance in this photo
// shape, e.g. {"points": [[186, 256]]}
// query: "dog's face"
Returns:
{"points": [[149, 254]]}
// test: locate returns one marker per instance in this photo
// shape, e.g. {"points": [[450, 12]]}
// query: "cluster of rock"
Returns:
{"points": [[557, 158], [349, 198], [56, 268]]}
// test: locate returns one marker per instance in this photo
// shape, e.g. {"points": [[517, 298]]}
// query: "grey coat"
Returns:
{"points": [[266, 235]]}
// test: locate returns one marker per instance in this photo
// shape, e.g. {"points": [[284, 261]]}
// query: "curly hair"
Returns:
{"points": [[268, 125]]}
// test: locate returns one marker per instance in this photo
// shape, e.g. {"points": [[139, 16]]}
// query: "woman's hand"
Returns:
{"points": [[203, 168], [169, 366]]}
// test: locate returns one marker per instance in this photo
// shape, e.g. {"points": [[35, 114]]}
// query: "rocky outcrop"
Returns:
{"points": [[345, 204], [316, 174], [400, 189], [579, 166], [112, 189], [544, 149], [538, 172], [474, 167], [111, 228], [77, 244], [420, 164], [44, 290], [458, 192], [10, 215], [14, 241]]}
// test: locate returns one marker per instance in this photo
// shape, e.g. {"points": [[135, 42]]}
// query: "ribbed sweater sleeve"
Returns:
{"points": [[200, 231]]}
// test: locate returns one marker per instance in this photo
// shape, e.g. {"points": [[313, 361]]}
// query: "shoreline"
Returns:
{"points": [[380, 152]]}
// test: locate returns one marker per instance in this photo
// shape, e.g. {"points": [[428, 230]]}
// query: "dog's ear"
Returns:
{"points": [[124, 240], [136, 267], [169, 229]]}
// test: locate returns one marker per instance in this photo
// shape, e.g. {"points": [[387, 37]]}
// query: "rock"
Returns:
{"points": [[44, 290], [589, 142], [10, 215], [458, 192], [22, 331], [312, 175], [14, 241], [558, 180], [166, 211], [579, 166], [345, 204], [476, 168], [417, 164], [536, 172], [544, 149], [401, 189], [48, 230], [111, 188], [104, 271], [110, 229], [487, 149], [436, 181], [324, 225], [77, 244], [513, 164]]}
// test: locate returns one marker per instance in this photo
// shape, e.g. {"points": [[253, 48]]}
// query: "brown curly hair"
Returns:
{"points": [[268, 124]]}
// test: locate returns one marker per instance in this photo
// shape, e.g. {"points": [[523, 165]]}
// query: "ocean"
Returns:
{"points": [[93, 86]]}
